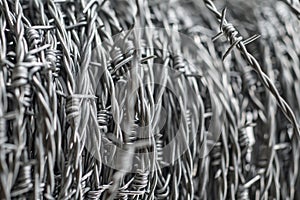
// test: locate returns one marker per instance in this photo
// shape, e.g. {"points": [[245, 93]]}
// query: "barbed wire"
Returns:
{"points": [[96, 103], [231, 33]]}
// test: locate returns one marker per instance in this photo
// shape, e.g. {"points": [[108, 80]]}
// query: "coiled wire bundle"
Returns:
{"points": [[144, 99]]}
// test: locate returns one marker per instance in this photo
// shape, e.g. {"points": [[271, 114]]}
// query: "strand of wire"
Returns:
{"points": [[231, 33]]}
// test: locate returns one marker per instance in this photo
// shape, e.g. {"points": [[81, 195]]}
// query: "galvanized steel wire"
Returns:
{"points": [[144, 100]]}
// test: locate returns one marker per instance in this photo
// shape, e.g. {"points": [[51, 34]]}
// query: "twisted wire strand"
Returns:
{"points": [[63, 78], [231, 33], [287, 84], [250, 80]]}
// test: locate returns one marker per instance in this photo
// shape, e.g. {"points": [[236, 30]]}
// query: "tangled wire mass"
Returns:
{"points": [[137, 99]]}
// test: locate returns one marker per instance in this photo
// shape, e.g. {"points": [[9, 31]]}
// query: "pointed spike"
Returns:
{"points": [[230, 49], [217, 36], [251, 39], [223, 18]]}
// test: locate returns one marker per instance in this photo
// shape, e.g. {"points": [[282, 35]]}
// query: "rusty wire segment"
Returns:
{"points": [[137, 100]]}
